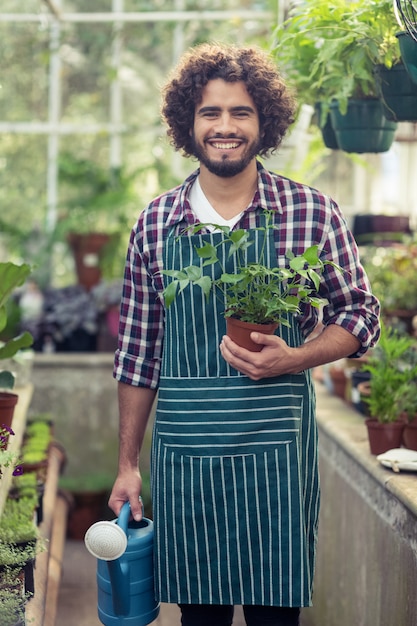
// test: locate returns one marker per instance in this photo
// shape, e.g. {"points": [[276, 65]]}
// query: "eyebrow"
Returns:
{"points": [[236, 109]]}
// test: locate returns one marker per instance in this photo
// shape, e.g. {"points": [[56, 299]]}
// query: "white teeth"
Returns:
{"points": [[225, 146]]}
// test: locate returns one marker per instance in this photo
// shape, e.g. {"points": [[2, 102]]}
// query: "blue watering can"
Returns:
{"points": [[125, 580]]}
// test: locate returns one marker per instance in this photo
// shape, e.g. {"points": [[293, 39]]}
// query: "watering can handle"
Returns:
{"points": [[124, 515]]}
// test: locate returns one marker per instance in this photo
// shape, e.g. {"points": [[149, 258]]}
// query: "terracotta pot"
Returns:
{"points": [[240, 332], [8, 403], [88, 508], [339, 381], [410, 435], [383, 437], [86, 249]]}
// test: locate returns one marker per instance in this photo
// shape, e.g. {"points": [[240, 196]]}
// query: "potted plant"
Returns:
{"points": [[11, 277], [89, 493], [35, 447], [70, 320], [387, 389], [254, 296], [329, 50], [95, 214]]}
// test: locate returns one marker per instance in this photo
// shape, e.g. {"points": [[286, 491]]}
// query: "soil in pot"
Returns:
{"points": [[240, 332], [8, 403], [383, 437]]}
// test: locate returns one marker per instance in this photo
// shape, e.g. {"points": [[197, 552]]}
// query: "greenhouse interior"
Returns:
{"points": [[85, 154]]}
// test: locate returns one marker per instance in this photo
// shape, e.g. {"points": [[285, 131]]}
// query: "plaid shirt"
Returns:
{"points": [[304, 217]]}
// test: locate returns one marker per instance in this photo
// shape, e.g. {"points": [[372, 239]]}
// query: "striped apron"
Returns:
{"points": [[234, 462]]}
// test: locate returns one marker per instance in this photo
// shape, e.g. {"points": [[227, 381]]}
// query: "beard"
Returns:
{"points": [[225, 167]]}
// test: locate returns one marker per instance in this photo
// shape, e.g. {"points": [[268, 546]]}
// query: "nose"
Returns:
{"points": [[225, 124]]}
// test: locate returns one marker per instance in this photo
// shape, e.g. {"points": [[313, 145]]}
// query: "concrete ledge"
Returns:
{"points": [[367, 547]]}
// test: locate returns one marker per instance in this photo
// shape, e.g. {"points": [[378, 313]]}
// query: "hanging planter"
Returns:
{"points": [[364, 128], [398, 93], [408, 47], [326, 128]]}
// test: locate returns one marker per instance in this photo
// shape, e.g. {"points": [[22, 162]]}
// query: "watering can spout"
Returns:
{"points": [[119, 580], [119, 571]]}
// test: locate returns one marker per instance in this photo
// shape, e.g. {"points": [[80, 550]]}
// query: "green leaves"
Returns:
{"points": [[11, 277], [255, 292]]}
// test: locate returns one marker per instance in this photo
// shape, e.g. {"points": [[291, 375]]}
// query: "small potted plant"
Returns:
{"points": [[98, 205], [255, 296], [386, 398], [11, 277], [330, 50]]}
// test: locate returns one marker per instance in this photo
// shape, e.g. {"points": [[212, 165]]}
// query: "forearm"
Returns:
{"points": [[135, 405], [278, 358], [333, 343]]}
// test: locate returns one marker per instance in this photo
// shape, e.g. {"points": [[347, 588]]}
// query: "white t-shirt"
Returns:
{"points": [[205, 213]]}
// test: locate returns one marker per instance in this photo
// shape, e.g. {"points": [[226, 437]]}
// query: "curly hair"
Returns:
{"points": [[274, 101]]}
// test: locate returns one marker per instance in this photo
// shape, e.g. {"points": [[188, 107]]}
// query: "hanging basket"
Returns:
{"points": [[398, 93], [326, 128], [364, 128], [408, 48]]}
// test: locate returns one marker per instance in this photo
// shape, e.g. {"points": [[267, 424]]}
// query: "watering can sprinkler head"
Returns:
{"points": [[106, 540]]}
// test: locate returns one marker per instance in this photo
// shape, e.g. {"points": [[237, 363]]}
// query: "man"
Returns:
{"points": [[235, 522]]}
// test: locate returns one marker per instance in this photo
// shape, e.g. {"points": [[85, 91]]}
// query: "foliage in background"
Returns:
{"points": [[149, 51], [328, 49], [392, 272], [11, 277]]}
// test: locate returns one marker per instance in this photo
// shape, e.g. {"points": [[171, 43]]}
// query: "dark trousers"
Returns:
{"points": [[222, 615]]}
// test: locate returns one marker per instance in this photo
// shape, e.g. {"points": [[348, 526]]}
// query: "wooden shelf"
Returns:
{"points": [[41, 609], [18, 426]]}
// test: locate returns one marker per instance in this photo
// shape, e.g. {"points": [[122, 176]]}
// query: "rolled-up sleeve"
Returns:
{"points": [[351, 303], [141, 329]]}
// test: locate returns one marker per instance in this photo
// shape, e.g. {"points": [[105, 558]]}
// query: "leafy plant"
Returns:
{"points": [[11, 277], [12, 607], [391, 376], [392, 272], [328, 49], [254, 293], [17, 523]]}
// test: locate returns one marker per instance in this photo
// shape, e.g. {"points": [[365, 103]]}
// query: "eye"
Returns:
{"points": [[210, 114]]}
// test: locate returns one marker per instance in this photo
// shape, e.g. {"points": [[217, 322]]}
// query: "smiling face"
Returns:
{"points": [[226, 133]]}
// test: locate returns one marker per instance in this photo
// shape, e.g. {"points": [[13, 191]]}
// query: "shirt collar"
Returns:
{"points": [[266, 197]]}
